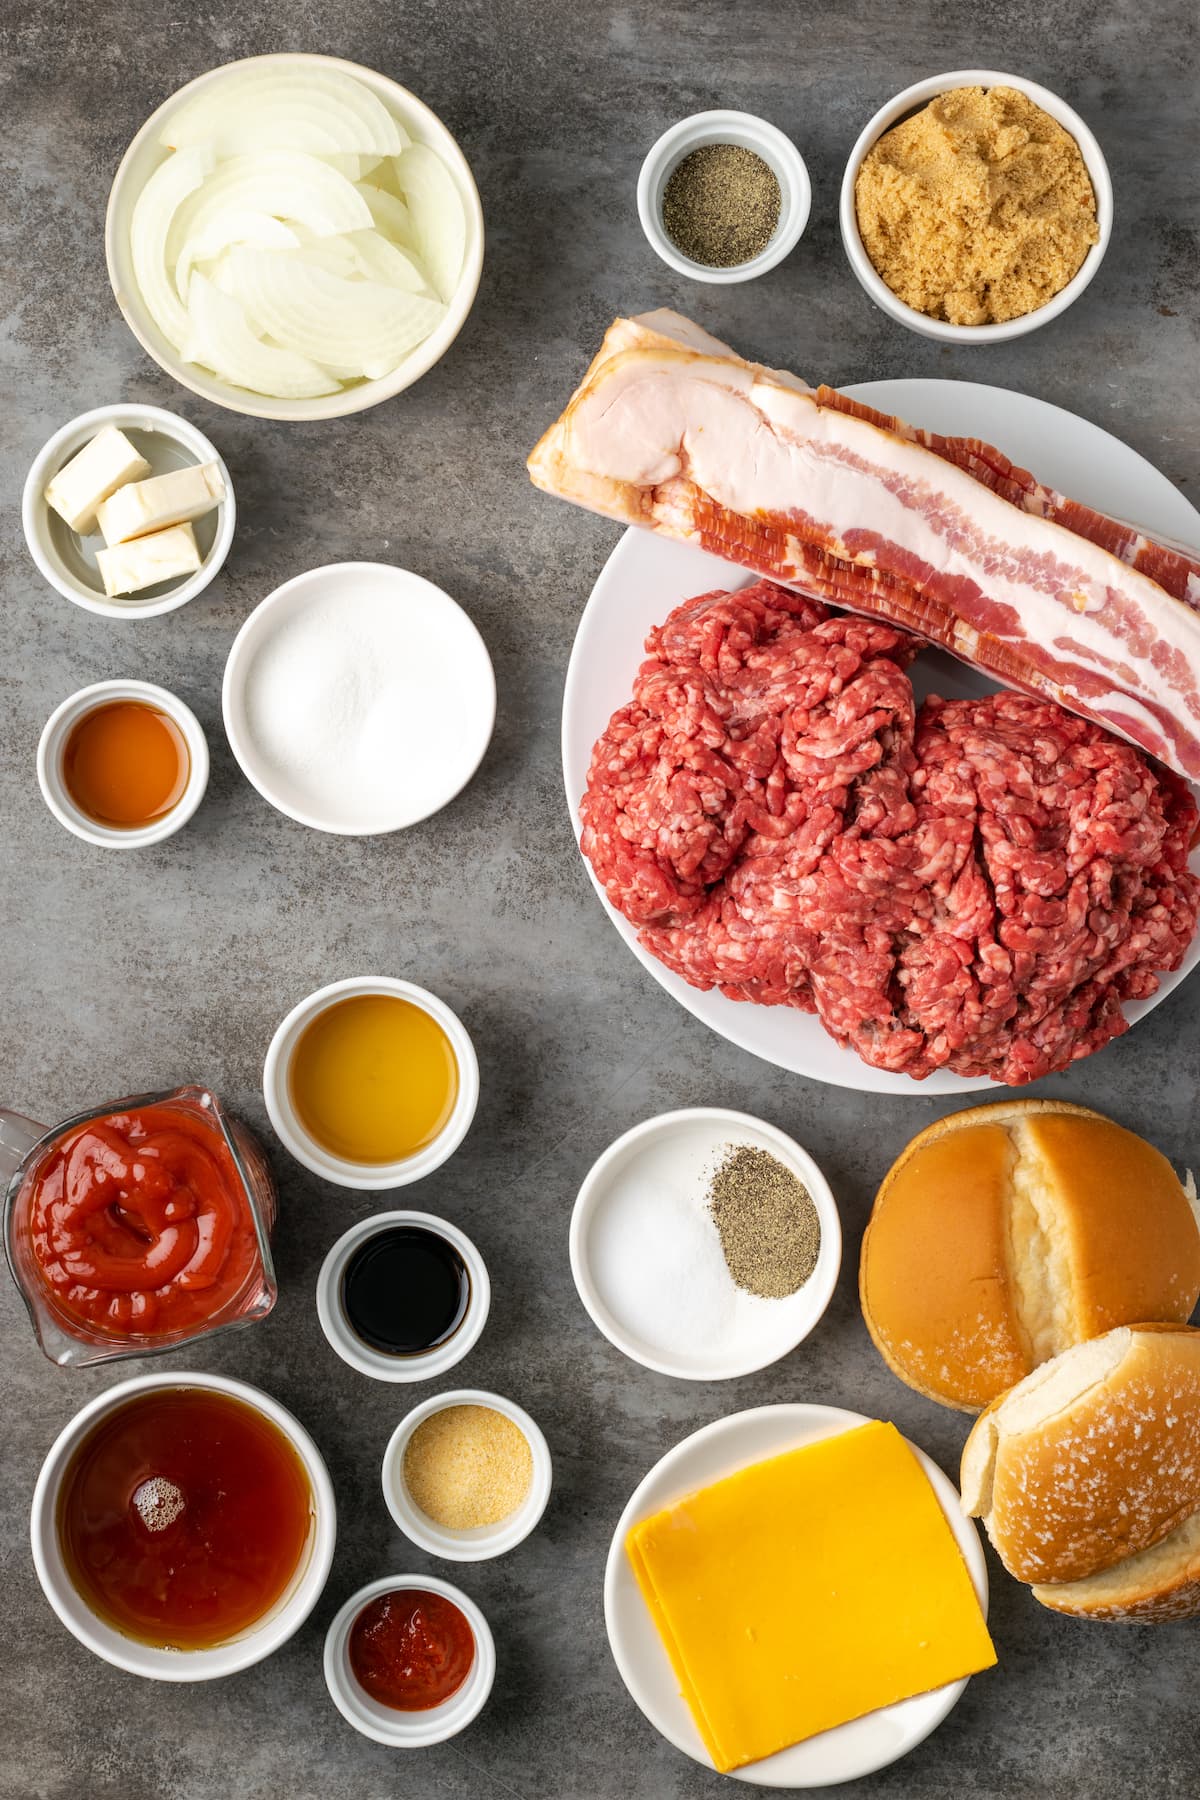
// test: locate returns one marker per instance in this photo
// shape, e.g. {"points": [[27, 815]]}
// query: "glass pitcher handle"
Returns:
{"points": [[18, 1135]]}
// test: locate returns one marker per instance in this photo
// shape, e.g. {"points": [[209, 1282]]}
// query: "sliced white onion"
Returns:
{"points": [[390, 214], [346, 162], [354, 168], [336, 254], [222, 340], [378, 259], [237, 226], [157, 205], [359, 325], [318, 110], [439, 222], [287, 184]]}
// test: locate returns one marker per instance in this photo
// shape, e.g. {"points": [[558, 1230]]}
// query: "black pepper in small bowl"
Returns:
{"points": [[721, 205], [768, 1226]]}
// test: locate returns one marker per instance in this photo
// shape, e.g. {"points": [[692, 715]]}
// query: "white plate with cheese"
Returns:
{"points": [[845, 1753]]}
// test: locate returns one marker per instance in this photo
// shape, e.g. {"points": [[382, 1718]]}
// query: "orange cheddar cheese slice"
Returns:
{"points": [[807, 1590]]}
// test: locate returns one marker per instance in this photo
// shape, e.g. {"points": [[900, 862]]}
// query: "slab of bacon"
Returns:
{"points": [[672, 430]]}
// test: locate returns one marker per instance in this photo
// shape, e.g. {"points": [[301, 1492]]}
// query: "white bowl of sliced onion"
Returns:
{"points": [[294, 237]]}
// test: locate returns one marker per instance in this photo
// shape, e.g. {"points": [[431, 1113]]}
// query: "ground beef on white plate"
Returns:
{"points": [[974, 885]]}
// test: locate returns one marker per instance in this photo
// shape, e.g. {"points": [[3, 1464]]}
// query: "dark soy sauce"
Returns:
{"points": [[406, 1290]]}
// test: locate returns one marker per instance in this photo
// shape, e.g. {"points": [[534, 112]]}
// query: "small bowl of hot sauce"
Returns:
{"points": [[409, 1661], [122, 764]]}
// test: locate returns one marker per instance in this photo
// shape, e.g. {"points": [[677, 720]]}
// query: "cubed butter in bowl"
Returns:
{"points": [[129, 511]]}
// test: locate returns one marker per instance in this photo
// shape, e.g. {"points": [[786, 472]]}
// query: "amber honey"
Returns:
{"points": [[373, 1079], [183, 1517], [126, 764]]}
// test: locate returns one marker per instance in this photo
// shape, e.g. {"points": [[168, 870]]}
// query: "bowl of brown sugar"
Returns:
{"points": [[723, 196], [975, 207]]}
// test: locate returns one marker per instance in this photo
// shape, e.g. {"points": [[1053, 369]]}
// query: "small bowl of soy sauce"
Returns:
{"points": [[403, 1296]]}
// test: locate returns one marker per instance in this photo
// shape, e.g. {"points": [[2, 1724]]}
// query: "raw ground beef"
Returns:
{"points": [[976, 885]]}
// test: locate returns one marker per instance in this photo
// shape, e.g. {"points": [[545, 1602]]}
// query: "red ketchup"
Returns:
{"points": [[139, 1222], [411, 1649]]}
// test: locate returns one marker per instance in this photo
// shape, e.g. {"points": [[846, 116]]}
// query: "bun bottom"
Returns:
{"points": [[1155, 1587]]}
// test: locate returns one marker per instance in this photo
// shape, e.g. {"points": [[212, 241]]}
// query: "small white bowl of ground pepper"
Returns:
{"points": [[467, 1475], [723, 196]]}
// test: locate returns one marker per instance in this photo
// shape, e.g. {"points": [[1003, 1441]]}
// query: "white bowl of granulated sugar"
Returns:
{"points": [[359, 698]]}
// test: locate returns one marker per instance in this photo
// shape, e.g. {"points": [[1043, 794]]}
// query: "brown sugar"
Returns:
{"points": [[977, 209]]}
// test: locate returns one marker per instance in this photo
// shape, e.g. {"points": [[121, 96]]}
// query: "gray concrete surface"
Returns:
{"points": [[120, 973]]}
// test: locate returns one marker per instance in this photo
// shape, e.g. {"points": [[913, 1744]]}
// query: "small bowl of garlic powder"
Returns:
{"points": [[467, 1475], [975, 207]]}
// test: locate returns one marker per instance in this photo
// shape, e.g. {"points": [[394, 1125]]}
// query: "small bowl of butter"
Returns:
{"points": [[128, 511]]}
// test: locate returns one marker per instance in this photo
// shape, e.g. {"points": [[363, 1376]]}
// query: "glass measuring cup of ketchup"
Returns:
{"points": [[138, 1227]]}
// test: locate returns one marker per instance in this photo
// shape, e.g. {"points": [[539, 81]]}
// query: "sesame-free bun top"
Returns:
{"points": [[1092, 1461], [1005, 1234]]}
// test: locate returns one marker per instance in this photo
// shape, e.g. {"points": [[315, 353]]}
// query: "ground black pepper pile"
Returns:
{"points": [[721, 205], [768, 1226]]}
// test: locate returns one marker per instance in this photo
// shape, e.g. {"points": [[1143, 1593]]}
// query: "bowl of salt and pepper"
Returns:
{"points": [[705, 1244]]}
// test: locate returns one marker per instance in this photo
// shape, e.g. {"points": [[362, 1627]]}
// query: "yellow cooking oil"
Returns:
{"points": [[373, 1079]]}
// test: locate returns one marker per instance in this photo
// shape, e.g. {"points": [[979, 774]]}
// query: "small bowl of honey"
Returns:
{"points": [[371, 1082], [122, 764]]}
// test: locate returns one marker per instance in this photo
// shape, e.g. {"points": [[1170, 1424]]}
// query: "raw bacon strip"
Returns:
{"points": [[1172, 567], [673, 431]]}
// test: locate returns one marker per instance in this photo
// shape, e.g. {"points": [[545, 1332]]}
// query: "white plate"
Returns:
{"points": [[646, 576], [674, 1155], [848, 1751], [442, 703]]}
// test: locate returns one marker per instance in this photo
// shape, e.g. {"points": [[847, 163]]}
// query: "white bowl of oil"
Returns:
{"points": [[371, 1082]]}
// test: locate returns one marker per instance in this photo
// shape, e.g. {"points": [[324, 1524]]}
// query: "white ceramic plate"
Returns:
{"points": [[441, 702], [646, 576], [849, 1751], [672, 1156]]}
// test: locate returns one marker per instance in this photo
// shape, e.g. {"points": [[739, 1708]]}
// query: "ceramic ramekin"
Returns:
{"points": [[918, 95], [721, 127], [274, 1629], [306, 1150], [61, 553], [485, 1540], [146, 153], [376, 1363], [53, 742], [408, 1730]]}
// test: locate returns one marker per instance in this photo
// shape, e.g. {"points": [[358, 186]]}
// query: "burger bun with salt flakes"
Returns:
{"points": [[1087, 1476]]}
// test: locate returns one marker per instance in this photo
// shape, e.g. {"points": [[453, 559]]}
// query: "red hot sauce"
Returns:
{"points": [[411, 1649]]}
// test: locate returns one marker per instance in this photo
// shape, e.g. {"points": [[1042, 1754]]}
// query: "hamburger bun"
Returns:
{"points": [[1087, 1474], [1005, 1234], [1155, 1587]]}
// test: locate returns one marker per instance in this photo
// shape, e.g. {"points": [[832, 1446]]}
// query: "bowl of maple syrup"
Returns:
{"points": [[122, 764], [183, 1526]]}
